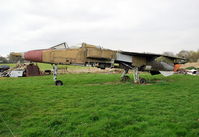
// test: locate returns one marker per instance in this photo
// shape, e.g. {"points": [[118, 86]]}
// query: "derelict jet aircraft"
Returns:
{"points": [[90, 55]]}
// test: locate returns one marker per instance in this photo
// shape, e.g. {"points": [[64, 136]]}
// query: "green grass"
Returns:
{"points": [[44, 66], [98, 105], [11, 65]]}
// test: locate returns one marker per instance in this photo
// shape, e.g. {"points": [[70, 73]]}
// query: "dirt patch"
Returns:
{"points": [[89, 70], [196, 65], [106, 83], [117, 83]]}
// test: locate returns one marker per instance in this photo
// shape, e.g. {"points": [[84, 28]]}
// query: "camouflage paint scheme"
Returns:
{"points": [[98, 57]]}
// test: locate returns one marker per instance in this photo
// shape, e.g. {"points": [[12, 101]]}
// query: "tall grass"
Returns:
{"points": [[99, 105]]}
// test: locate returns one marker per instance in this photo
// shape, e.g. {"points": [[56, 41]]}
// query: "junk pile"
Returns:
{"points": [[3, 69], [191, 70], [21, 70]]}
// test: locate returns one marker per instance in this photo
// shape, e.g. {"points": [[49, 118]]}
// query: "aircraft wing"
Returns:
{"points": [[152, 56], [148, 55]]}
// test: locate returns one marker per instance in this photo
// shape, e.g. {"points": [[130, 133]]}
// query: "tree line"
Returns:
{"points": [[10, 59], [191, 56]]}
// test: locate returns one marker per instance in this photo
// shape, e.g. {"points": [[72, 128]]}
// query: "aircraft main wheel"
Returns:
{"points": [[125, 78], [142, 81], [58, 83]]}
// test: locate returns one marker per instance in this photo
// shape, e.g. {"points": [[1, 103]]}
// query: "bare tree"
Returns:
{"points": [[183, 54], [192, 56], [168, 53]]}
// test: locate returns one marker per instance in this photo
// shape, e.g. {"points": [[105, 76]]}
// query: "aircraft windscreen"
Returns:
{"points": [[76, 46], [60, 46]]}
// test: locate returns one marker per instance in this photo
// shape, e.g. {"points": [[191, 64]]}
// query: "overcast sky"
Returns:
{"points": [[132, 25]]}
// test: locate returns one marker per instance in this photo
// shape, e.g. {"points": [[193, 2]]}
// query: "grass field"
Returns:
{"points": [[99, 105], [44, 66]]}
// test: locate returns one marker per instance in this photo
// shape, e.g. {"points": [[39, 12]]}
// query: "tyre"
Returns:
{"points": [[58, 83], [142, 81]]}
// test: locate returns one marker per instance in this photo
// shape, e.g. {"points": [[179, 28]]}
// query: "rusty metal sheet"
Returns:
{"points": [[32, 70]]}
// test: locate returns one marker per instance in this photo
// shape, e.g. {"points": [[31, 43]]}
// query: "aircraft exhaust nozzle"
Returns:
{"points": [[33, 55]]}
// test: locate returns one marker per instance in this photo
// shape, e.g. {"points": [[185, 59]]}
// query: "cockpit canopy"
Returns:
{"points": [[65, 46], [60, 46]]}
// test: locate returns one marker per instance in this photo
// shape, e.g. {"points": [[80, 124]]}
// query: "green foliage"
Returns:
{"points": [[99, 105], [3, 60], [190, 68], [11, 65]]}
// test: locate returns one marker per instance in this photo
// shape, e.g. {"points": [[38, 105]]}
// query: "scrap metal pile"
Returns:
{"points": [[3, 69], [21, 70], [194, 72]]}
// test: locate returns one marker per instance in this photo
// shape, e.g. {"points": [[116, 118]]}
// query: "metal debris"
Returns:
{"points": [[22, 70]]}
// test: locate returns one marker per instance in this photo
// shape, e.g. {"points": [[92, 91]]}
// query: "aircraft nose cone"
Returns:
{"points": [[33, 55]]}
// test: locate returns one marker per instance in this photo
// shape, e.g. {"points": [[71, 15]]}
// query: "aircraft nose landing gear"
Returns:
{"points": [[137, 78], [124, 77], [57, 82]]}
